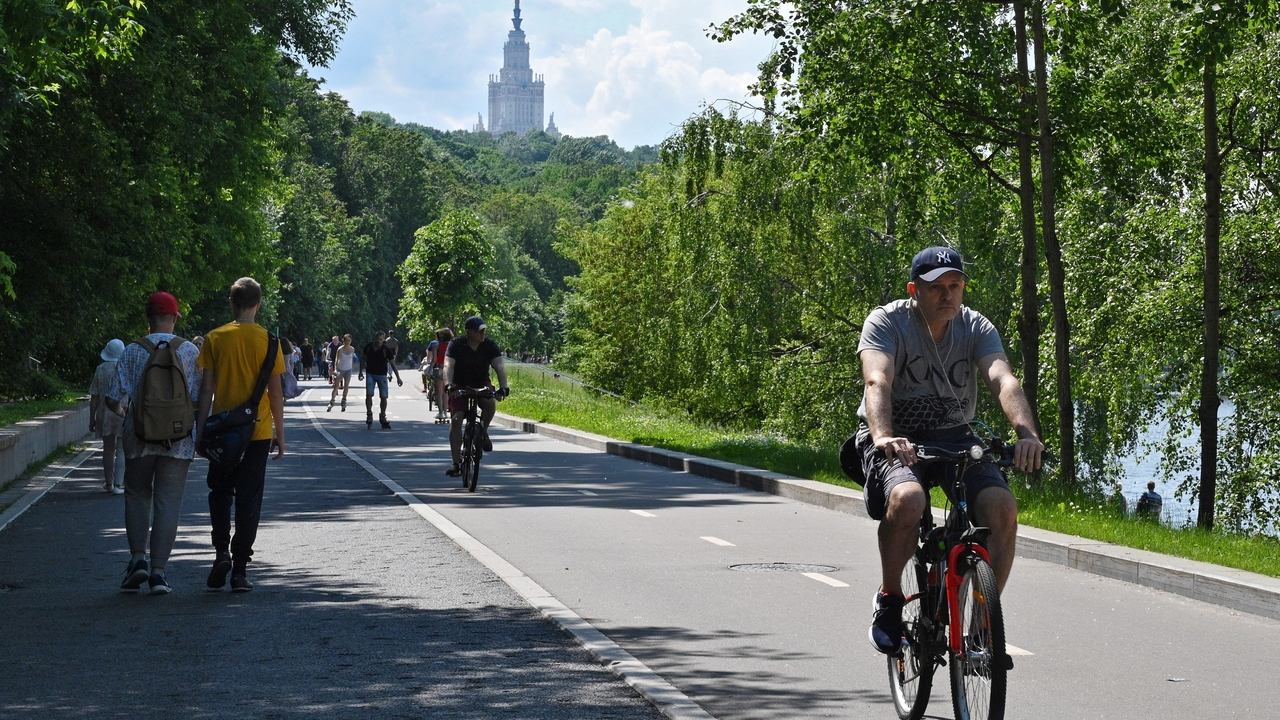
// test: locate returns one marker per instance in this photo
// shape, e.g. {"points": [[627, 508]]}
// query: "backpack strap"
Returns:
{"points": [[268, 364], [147, 345]]}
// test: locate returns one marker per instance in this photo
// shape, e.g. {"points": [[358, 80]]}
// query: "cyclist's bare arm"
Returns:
{"points": [[500, 367], [1006, 389], [448, 370], [877, 375]]}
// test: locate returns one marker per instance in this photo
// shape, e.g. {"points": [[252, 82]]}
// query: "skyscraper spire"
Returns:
{"points": [[515, 94]]}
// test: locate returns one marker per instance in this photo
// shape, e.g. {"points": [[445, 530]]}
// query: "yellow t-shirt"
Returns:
{"points": [[235, 352]]}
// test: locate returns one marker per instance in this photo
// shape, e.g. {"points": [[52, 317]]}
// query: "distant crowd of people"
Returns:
{"points": [[160, 400]]}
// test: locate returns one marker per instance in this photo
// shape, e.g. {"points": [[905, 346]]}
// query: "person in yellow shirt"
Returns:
{"points": [[232, 358]]}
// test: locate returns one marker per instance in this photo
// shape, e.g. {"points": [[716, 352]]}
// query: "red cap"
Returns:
{"points": [[162, 303]]}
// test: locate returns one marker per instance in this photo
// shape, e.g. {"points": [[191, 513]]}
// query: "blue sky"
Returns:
{"points": [[630, 69]]}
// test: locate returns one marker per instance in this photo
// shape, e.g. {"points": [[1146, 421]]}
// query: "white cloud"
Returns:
{"points": [[633, 70]]}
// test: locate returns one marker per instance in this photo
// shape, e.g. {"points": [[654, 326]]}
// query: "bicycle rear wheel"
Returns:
{"points": [[911, 673], [979, 673], [470, 457]]}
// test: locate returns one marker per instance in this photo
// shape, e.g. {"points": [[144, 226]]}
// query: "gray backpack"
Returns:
{"points": [[162, 411]]}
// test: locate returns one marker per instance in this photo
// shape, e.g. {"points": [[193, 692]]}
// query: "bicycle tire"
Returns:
{"points": [[979, 673], [911, 673], [473, 474]]}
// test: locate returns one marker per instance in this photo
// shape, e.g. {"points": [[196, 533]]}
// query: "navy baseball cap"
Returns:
{"points": [[932, 263], [475, 322]]}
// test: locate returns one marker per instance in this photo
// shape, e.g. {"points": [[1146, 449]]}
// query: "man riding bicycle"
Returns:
{"points": [[466, 365], [918, 361]]}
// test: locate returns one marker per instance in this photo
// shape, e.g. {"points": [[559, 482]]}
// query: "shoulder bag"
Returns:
{"points": [[227, 435]]}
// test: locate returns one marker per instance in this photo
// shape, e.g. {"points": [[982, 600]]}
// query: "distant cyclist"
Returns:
{"points": [[433, 367], [466, 365], [375, 360], [921, 361]]}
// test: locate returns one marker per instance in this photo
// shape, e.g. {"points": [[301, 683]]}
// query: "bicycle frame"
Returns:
{"points": [[956, 530]]}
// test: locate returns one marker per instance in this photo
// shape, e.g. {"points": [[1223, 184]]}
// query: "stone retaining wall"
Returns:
{"points": [[33, 440]]}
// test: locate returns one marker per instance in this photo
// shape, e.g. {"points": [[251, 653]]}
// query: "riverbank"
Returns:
{"points": [[542, 397]]}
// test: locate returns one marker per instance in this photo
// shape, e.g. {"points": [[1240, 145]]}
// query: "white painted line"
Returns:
{"points": [[544, 477], [1015, 650], [664, 696], [718, 541], [43, 483], [642, 513], [588, 492], [824, 579]]}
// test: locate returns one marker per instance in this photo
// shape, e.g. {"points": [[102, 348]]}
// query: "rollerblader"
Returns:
{"points": [[376, 358]]}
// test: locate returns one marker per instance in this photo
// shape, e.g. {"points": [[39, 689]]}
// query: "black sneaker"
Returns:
{"points": [[221, 566], [240, 584], [886, 623], [159, 586], [134, 576], [486, 443], [453, 471]]}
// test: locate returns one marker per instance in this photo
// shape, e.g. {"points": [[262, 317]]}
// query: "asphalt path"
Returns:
{"points": [[361, 609], [644, 554]]}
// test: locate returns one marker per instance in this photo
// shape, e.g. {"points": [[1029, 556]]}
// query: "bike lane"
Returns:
{"points": [[643, 553]]}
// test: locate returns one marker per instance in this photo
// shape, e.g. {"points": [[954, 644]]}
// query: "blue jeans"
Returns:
{"points": [[380, 381]]}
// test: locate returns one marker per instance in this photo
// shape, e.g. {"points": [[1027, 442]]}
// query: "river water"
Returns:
{"points": [[1143, 466]]}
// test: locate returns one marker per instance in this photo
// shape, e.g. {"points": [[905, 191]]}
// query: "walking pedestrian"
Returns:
{"points": [[105, 424], [308, 358], [374, 361], [233, 358], [152, 373], [344, 360]]}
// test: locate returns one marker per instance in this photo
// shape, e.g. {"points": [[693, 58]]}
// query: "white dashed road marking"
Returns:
{"points": [[824, 579], [588, 492], [1015, 650], [718, 541], [642, 513]]}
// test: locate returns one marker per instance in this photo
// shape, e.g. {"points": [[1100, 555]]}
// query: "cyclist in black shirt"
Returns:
{"points": [[374, 361], [466, 365]]}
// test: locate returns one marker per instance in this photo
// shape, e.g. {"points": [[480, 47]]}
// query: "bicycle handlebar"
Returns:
{"points": [[998, 453]]}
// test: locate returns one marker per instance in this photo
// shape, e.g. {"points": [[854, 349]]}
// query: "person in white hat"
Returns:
{"points": [[107, 425]]}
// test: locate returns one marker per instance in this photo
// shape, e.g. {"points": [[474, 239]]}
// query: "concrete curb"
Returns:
{"points": [[1235, 589], [43, 483], [31, 440]]}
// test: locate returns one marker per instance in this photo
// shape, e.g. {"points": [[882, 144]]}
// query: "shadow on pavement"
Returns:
{"points": [[360, 608]]}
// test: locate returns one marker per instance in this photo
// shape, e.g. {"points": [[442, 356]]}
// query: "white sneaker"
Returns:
{"points": [[117, 490]]}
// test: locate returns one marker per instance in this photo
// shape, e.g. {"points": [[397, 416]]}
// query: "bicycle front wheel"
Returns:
{"points": [[980, 671], [911, 672]]}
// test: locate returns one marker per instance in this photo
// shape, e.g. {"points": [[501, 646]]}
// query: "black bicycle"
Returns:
{"points": [[951, 614], [472, 431]]}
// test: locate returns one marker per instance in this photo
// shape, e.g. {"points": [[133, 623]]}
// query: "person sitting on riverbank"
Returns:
{"points": [[1150, 504]]}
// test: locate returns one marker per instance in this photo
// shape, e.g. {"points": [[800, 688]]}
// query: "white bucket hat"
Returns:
{"points": [[113, 350]]}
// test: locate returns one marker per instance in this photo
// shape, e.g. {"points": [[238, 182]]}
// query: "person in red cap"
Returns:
{"points": [[155, 474]]}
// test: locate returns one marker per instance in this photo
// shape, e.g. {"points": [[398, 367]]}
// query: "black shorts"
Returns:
{"points": [[882, 475]]}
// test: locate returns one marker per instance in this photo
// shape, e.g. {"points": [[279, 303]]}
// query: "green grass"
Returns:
{"points": [[17, 412], [539, 396]]}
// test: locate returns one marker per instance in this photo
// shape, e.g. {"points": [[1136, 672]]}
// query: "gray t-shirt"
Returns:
{"points": [[935, 385]]}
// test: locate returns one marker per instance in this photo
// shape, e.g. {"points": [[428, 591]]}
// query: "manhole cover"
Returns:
{"points": [[783, 567]]}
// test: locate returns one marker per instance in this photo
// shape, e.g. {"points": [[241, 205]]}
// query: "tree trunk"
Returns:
{"points": [[1212, 230], [1029, 318], [1053, 256]]}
